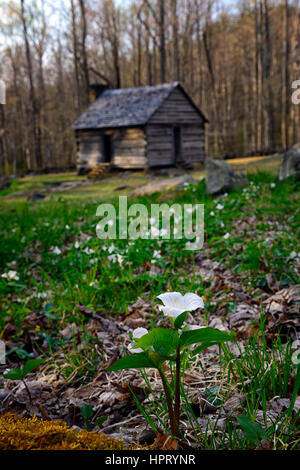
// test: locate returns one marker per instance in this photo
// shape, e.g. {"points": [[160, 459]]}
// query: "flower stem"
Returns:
{"points": [[28, 392], [174, 425], [177, 388]]}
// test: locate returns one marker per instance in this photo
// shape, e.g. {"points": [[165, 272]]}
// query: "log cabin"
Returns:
{"points": [[140, 128]]}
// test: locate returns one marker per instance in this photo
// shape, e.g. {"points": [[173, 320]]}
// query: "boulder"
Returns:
{"points": [[35, 196], [220, 177], [163, 185], [5, 182], [290, 164]]}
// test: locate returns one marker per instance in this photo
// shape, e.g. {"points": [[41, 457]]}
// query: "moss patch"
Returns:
{"points": [[17, 433]]}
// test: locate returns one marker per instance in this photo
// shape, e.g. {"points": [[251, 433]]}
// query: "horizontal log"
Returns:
{"points": [[151, 147], [130, 158], [129, 144]]}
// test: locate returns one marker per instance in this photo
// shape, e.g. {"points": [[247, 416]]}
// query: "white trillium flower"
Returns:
{"points": [[226, 236], [219, 207], [176, 303], [56, 250], [137, 334]]}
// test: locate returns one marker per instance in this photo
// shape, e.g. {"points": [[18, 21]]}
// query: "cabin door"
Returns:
{"points": [[106, 140], [177, 147]]}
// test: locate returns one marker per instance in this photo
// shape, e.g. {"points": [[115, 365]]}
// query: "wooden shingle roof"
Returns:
{"points": [[126, 107]]}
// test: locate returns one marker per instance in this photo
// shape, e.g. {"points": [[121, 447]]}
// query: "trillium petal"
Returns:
{"points": [[171, 311], [192, 302], [172, 299], [131, 349], [139, 332]]}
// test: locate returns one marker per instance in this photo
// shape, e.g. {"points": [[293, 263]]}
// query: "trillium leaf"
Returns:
{"points": [[204, 335], [163, 341], [14, 374], [180, 320], [134, 361], [252, 431], [30, 365], [204, 346]]}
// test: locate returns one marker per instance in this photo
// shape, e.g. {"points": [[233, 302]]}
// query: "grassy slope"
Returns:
{"points": [[106, 188]]}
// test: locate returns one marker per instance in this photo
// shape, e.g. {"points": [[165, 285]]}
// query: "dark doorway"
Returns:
{"points": [[107, 148], [177, 144]]}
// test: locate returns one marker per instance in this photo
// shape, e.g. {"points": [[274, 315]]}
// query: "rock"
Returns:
{"points": [[163, 185], [5, 182], [220, 177], [161, 172], [121, 188], [35, 196], [290, 164]]}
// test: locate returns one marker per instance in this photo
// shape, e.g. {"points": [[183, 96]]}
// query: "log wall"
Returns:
{"points": [[128, 148]]}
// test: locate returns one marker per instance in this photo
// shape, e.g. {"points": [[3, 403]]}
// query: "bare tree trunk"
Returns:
{"points": [[286, 97], [85, 67], [3, 154], [256, 105], [139, 55], [268, 69], [162, 44], [75, 56], [115, 47], [34, 109], [175, 41]]}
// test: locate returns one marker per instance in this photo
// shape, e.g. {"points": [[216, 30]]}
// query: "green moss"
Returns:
{"points": [[17, 433]]}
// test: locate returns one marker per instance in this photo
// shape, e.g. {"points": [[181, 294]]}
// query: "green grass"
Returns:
{"points": [[262, 221]]}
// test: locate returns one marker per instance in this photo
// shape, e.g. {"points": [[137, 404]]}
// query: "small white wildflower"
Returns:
{"points": [[226, 236], [88, 251], [11, 275], [115, 258], [219, 207], [56, 250], [157, 254], [111, 248]]}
